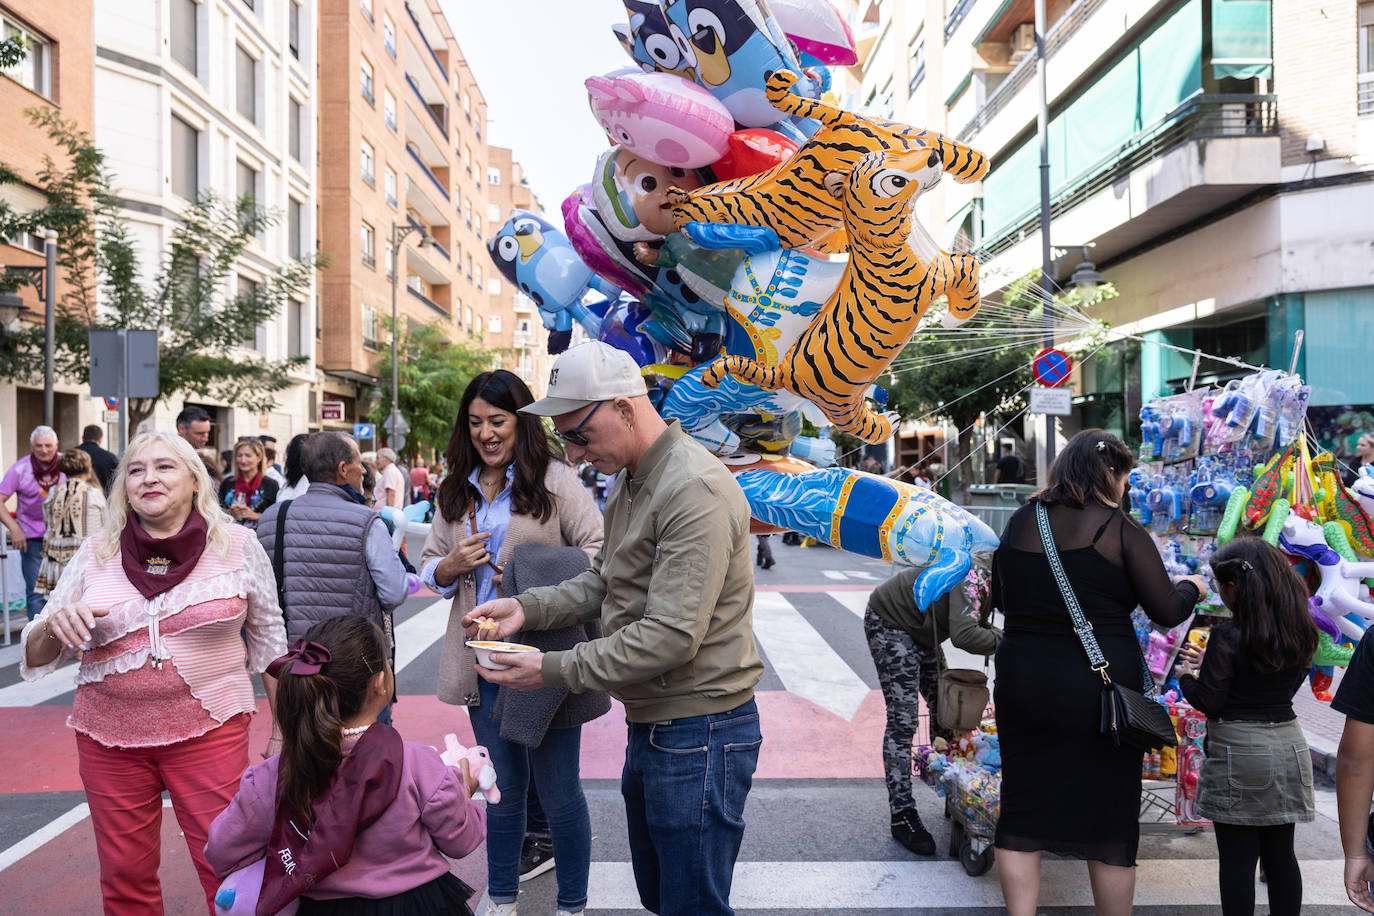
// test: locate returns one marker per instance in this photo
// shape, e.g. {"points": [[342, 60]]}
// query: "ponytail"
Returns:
{"points": [[321, 684], [1270, 604]]}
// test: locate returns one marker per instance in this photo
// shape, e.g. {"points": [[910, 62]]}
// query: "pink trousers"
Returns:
{"points": [[124, 790]]}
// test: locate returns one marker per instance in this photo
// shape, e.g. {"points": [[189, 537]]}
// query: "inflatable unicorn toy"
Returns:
{"points": [[1339, 592]]}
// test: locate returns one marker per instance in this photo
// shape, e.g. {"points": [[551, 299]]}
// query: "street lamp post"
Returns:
{"points": [[396, 424], [49, 321], [1042, 126]]}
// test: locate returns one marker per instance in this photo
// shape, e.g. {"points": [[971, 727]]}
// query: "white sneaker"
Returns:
{"points": [[499, 909], [568, 913]]}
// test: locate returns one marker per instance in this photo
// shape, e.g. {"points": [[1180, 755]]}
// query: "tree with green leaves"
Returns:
{"points": [[930, 380], [434, 372], [206, 321], [12, 51]]}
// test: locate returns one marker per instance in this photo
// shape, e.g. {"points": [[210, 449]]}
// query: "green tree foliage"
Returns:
{"points": [[12, 51], [206, 324], [433, 374], [928, 383]]}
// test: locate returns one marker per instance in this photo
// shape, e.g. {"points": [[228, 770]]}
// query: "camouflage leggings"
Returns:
{"points": [[904, 668]]}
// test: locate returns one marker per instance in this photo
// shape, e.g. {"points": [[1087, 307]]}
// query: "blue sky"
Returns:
{"points": [[530, 58]]}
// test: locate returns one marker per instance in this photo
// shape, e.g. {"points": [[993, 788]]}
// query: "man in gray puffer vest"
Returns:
{"points": [[338, 557]]}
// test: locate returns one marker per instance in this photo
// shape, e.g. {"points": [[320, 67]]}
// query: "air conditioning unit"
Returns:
{"points": [[1022, 41]]}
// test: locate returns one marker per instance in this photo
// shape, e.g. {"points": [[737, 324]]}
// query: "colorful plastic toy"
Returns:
{"points": [[479, 765], [661, 117]]}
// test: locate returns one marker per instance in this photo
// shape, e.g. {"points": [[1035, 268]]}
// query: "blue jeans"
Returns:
{"points": [[685, 783], [555, 766], [32, 562]]}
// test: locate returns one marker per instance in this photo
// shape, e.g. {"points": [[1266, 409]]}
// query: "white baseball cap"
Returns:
{"points": [[589, 372]]}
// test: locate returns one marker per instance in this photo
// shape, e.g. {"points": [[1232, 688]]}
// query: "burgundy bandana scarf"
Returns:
{"points": [[300, 855], [154, 565], [46, 475]]}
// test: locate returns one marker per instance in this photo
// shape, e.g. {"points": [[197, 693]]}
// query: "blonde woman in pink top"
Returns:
{"points": [[156, 603]]}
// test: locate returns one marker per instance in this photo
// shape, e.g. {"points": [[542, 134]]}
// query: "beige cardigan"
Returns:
{"points": [[575, 522]]}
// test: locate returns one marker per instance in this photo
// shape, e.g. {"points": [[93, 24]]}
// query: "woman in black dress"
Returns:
{"points": [[1065, 789]]}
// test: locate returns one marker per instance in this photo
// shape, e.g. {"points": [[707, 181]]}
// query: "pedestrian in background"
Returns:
{"points": [[28, 480], [1112, 566], [1355, 773], [673, 587], [212, 465], [249, 493], [419, 482], [174, 606], [1257, 777], [271, 470], [103, 463], [391, 483], [1010, 468], [193, 425], [507, 488], [365, 819], [906, 646], [73, 511], [296, 480]]}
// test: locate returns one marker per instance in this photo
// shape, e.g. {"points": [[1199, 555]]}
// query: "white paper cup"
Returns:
{"points": [[484, 648]]}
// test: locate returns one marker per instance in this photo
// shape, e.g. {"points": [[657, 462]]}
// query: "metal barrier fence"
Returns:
{"points": [[995, 517]]}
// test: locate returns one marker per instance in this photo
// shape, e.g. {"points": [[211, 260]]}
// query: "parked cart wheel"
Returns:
{"points": [[975, 863], [956, 837]]}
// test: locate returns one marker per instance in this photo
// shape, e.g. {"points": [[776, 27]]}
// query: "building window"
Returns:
{"points": [[1366, 42], [494, 212], [248, 289], [365, 78], [390, 260], [493, 176], [467, 105], [34, 70], [293, 228], [293, 128], [185, 159], [319, 319], [247, 180], [467, 318], [293, 28], [494, 324], [184, 33], [389, 35], [366, 7], [478, 281], [246, 84], [390, 186], [389, 110], [494, 286], [295, 328], [369, 240], [918, 65], [369, 327], [368, 163]]}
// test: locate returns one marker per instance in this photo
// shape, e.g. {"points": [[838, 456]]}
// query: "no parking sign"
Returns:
{"points": [[1051, 367]]}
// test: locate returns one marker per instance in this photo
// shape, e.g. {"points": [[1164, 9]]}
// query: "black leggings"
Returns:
{"points": [[1238, 848]]}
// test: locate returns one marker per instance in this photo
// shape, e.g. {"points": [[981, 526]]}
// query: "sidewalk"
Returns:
{"points": [[1321, 723]]}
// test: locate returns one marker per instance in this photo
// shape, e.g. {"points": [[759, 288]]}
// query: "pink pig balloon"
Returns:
{"points": [[661, 117]]}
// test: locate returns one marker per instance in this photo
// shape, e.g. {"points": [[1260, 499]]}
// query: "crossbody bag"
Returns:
{"points": [[1128, 717]]}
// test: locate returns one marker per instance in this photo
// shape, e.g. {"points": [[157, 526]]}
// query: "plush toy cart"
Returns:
{"points": [[973, 818]]}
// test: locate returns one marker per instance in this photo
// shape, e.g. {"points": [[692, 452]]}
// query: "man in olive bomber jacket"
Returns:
{"points": [[673, 587]]}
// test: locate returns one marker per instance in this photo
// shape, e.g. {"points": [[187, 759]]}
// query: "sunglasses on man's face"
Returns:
{"points": [[574, 435]]}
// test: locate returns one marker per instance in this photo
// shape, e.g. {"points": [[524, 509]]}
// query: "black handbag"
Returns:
{"points": [[1128, 716]]}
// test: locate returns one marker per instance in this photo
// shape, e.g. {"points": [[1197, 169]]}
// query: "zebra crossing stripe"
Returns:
{"points": [[32, 693], [801, 657], [855, 602], [420, 631], [943, 887]]}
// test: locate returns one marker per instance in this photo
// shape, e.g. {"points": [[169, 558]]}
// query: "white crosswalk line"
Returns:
{"points": [[856, 601], [936, 886], [421, 631], [805, 662], [31, 693], [834, 574], [9, 655], [862, 574]]}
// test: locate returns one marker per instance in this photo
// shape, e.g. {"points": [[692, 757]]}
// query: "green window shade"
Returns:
{"points": [[1339, 339], [1139, 89], [1241, 44]]}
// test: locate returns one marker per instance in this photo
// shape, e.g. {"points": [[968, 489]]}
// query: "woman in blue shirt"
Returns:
{"points": [[508, 486]]}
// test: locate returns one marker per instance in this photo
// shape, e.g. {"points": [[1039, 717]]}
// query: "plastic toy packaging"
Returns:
{"points": [[1247, 407], [1215, 478], [1169, 500], [1171, 427]]}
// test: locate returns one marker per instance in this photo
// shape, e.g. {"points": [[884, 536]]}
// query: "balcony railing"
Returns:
{"points": [[1060, 32], [432, 177], [415, 88], [369, 259], [916, 78], [439, 247], [1366, 95], [956, 17], [367, 94], [426, 300], [425, 42], [1202, 117]]}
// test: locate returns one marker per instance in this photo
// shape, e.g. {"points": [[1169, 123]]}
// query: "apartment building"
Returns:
{"points": [[200, 95], [56, 72], [513, 324], [404, 160], [1214, 153]]}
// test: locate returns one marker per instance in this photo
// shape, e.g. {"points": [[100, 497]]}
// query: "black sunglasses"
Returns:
{"points": [[575, 437]]}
